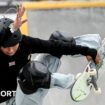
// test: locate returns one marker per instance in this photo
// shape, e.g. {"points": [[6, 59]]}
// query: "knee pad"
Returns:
{"points": [[33, 76], [60, 36]]}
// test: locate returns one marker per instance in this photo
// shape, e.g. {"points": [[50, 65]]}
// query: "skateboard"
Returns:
{"points": [[88, 79]]}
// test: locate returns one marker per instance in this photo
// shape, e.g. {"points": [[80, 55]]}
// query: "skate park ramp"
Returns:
{"points": [[74, 21], [72, 18]]}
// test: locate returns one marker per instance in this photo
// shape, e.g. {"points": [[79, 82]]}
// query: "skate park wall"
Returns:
{"points": [[72, 18]]}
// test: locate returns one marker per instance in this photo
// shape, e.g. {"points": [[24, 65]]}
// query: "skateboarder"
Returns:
{"points": [[15, 50], [39, 75]]}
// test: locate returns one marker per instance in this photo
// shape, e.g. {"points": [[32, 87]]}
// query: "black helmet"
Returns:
{"points": [[7, 38]]}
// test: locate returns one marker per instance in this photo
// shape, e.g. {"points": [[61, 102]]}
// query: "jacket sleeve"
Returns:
{"points": [[35, 45]]}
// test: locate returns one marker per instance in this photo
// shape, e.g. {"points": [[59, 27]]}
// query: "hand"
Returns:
{"points": [[97, 60], [18, 21]]}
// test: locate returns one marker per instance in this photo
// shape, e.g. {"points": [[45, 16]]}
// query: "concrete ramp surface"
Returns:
{"points": [[72, 22]]}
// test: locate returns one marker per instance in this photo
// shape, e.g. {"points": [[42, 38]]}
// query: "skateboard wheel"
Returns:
{"points": [[92, 72], [78, 75], [97, 91]]}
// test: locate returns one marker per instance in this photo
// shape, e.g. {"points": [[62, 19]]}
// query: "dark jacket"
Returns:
{"points": [[10, 65]]}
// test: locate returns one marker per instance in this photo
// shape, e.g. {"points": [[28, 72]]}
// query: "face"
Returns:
{"points": [[10, 51]]}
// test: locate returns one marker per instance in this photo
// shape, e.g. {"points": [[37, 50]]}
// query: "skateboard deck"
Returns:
{"points": [[88, 79]]}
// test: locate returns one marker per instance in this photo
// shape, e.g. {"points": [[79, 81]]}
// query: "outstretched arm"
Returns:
{"points": [[91, 53]]}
